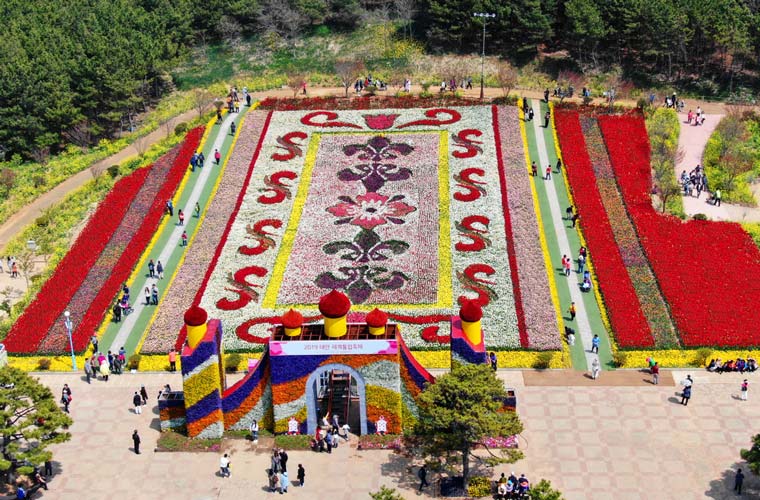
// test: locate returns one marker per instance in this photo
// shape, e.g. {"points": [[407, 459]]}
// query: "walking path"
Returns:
{"points": [[167, 248], [562, 239], [637, 442], [692, 140]]}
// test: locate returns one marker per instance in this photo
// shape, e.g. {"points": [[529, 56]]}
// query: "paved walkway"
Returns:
{"points": [[692, 140], [637, 442], [562, 239]]}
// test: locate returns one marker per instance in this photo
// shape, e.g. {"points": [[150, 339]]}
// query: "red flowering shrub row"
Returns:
{"points": [[32, 326], [146, 226], [708, 271], [626, 317]]}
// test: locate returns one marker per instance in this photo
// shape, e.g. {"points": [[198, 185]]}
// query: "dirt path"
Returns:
{"points": [[692, 140], [18, 221]]}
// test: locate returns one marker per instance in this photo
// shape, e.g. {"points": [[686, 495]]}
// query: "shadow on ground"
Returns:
{"points": [[723, 488]]}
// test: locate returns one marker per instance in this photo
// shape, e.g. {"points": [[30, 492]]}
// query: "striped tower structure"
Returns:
{"points": [[467, 339], [203, 375]]}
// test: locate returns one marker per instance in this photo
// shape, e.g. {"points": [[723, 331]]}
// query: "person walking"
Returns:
{"points": [[173, 360], [530, 115], [547, 118], [217, 156], [595, 344], [574, 219], [492, 360], [147, 296], [88, 369], [283, 460], [686, 395], [151, 269], [197, 210], [571, 310], [136, 441], [284, 480], [181, 217], [548, 174], [581, 263], [255, 431], [170, 207], [301, 475], [105, 370], [66, 397], [160, 270], [546, 95], [738, 481], [595, 368], [201, 159], [655, 373], [137, 402], [184, 238], [144, 395], [224, 466], [154, 294], [717, 204], [422, 475], [233, 127], [745, 390], [534, 169], [559, 166]]}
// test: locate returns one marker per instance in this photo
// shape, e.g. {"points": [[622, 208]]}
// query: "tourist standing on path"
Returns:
{"points": [[217, 156], [224, 466], [136, 441], [147, 296], [144, 395], [546, 95], [105, 370], [422, 474], [201, 159], [255, 431], [595, 344], [283, 460], [595, 368], [581, 263], [547, 117], [571, 310], [88, 369], [534, 169], [151, 269], [686, 395], [173, 360], [184, 238], [655, 373], [745, 389], [574, 219], [154, 295], [717, 204], [181, 217], [233, 127], [170, 207], [160, 270], [548, 174], [738, 481], [530, 115], [284, 481], [301, 476], [94, 342], [492, 359], [197, 210], [66, 397], [137, 402]]}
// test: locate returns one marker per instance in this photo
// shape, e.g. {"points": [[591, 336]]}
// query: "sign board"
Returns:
{"points": [[332, 347]]}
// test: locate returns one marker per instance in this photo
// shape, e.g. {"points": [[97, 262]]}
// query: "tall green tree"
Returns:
{"points": [[460, 410], [30, 421], [585, 27]]}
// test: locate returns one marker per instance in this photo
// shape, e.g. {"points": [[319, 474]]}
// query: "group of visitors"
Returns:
{"points": [[104, 365], [327, 434], [696, 180], [452, 85], [673, 102], [512, 487], [11, 264], [197, 160], [368, 81], [698, 117], [739, 365], [567, 265], [140, 399], [277, 474]]}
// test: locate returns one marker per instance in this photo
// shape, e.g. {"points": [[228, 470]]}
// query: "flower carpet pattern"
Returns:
{"points": [[707, 270], [401, 209]]}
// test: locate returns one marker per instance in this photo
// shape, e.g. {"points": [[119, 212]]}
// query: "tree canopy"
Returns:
{"points": [[460, 410], [31, 421]]}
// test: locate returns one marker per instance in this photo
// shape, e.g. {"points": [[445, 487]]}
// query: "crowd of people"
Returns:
{"points": [[732, 365], [698, 118], [694, 182], [103, 365], [512, 487], [327, 434]]}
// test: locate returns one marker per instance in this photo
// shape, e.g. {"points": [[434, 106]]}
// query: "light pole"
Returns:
{"points": [[484, 16], [67, 322]]}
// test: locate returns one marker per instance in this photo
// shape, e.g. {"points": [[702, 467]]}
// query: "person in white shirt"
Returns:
{"points": [[224, 466]]}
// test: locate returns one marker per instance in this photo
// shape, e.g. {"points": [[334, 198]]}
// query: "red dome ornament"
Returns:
{"points": [[196, 316], [334, 305], [292, 319], [376, 318], [470, 311]]}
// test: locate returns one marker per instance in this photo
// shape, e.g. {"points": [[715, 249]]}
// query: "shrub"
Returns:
{"points": [[480, 486], [297, 442], [134, 362], [113, 171], [543, 360], [380, 442], [181, 128], [699, 217], [43, 364], [232, 362], [619, 358], [702, 355], [386, 493], [43, 220]]}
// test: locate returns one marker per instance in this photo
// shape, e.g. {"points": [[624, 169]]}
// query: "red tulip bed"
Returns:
{"points": [[708, 271], [91, 274], [623, 307]]}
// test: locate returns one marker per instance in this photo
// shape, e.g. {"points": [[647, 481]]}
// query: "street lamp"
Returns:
{"points": [[484, 16], [67, 322]]}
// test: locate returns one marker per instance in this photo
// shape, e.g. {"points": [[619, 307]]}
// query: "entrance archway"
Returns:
{"points": [[313, 397]]}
